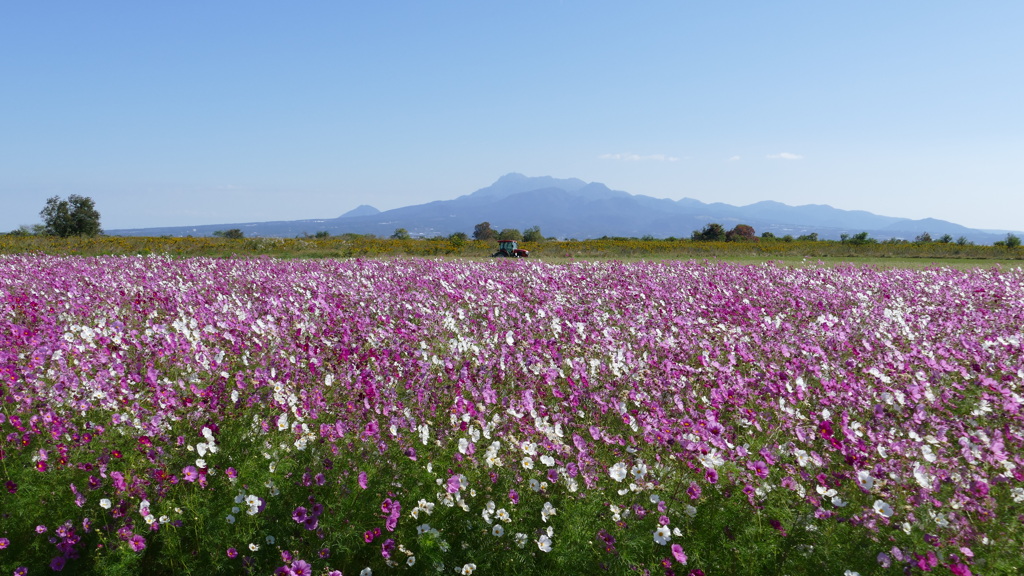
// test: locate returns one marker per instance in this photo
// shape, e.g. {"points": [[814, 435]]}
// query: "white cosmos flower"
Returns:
{"points": [[105, 503], [802, 458], [883, 509], [571, 484], [527, 462], [712, 459], [923, 478], [662, 535], [640, 470], [520, 539], [230, 518], [618, 472], [544, 543], [498, 530], [547, 511], [864, 480], [826, 492]]}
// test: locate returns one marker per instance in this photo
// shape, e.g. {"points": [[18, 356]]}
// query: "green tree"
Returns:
{"points": [[233, 233], [401, 234], [923, 238], [532, 234], [812, 237], [767, 236], [510, 234], [24, 230], [76, 216], [861, 238], [1012, 241], [713, 232], [483, 231], [945, 239]]}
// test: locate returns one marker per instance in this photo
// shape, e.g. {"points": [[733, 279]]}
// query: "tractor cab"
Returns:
{"points": [[510, 249]]}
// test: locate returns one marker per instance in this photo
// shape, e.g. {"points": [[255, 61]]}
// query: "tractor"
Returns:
{"points": [[510, 249]]}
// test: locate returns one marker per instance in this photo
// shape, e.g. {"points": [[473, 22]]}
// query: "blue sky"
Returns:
{"points": [[219, 112]]}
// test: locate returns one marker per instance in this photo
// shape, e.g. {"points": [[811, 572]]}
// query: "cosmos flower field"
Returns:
{"points": [[225, 416]]}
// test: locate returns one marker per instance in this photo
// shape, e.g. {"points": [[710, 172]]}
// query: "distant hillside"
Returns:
{"points": [[572, 208]]}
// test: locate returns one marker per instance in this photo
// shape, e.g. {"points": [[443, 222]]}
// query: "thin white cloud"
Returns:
{"points": [[785, 156], [639, 158], [734, 158]]}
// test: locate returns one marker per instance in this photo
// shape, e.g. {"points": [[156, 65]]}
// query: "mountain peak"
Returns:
{"points": [[361, 210], [514, 183]]}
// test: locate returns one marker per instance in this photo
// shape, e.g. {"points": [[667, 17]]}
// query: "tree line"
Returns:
{"points": [[77, 216]]}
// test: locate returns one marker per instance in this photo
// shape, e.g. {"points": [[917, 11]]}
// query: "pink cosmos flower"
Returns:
{"points": [[693, 491], [959, 569], [678, 554], [387, 548], [301, 568], [454, 484], [137, 543]]}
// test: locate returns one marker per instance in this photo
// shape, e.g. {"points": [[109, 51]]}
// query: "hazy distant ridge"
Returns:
{"points": [[572, 208]]}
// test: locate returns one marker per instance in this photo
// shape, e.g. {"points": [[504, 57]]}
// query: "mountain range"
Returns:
{"points": [[572, 208]]}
